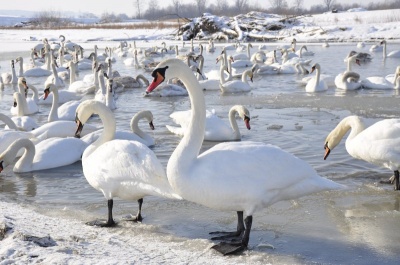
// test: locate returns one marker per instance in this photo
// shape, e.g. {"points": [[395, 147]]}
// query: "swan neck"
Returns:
{"points": [[108, 133], [135, 123], [189, 147], [232, 119], [8, 121], [24, 163], [53, 114]]}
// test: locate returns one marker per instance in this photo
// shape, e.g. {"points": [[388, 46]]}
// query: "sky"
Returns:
{"points": [[123, 6]]}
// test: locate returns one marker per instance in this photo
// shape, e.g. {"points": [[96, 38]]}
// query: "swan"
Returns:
{"points": [[63, 96], [303, 51], [54, 78], [392, 54], [316, 84], [216, 129], [79, 86], [379, 144], [361, 56], [168, 90], [360, 44], [265, 69], [236, 86], [378, 82], [349, 80], [210, 46], [1, 83], [376, 48], [110, 100], [10, 78], [32, 72], [11, 133], [47, 154], [23, 107], [23, 89], [243, 56], [119, 168], [241, 176], [64, 112], [325, 44], [136, 133]]}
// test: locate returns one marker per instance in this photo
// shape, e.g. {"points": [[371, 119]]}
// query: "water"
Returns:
{"points": [[361, 223]]}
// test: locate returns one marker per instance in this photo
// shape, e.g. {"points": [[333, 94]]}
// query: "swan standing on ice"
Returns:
{"points": [[379, 144], [119, 168], [216, 129], [316, 84], [245, 177]]}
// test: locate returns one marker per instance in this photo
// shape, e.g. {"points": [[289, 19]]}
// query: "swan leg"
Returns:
{"points": [[226, 248], [110, 222], [239, 231], [396, 180], [138, 217]]}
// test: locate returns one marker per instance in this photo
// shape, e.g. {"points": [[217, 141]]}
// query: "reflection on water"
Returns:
{"points": [[281, 114]]}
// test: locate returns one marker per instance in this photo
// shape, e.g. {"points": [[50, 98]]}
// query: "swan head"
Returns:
{"points": [[244, 113], [48, 89], [331, 141], [159, 75], [6, 159], [315, 66], [83, 112]]}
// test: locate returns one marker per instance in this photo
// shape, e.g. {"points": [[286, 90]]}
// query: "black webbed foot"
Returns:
{"points": [[131, 218], [229, 248], [226, 235], [389, 181]]}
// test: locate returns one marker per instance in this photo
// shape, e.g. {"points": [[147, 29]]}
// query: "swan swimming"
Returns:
{"points": [[119, 168], [379, 144], [245, 177], [216, 129]]}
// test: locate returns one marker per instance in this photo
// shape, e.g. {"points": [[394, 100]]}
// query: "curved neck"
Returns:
{"points": [[317, 75], [223, 79], [8, 121], [102, 83], [232, 119], [244, 76], [354, 123], [35, 95], [53, 114], [135, 123], [24, 163], [108, 134], [33, 56], [188, 149], [142, 80], [14, 78], [349, 61], [248, 51]]}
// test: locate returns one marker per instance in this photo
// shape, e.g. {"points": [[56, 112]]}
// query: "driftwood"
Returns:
{"points": [[251, 26]]}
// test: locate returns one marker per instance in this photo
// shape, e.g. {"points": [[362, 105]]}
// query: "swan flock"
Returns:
{"points": [[234, 175]]}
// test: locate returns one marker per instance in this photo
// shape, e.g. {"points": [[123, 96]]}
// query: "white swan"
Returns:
{"points": [[23, 107], [32, 72], [54, 78], [169, 89], [392, 54], [316, 84], [349, 80], [236, 86], [23, 89], [11, 133], [234, 176], [379, 82], [120, 168], [379, 144], [10, 78], [216, 129], [64, 112], [265, 69], [49, 153], [136, 134], [79, 86]]}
